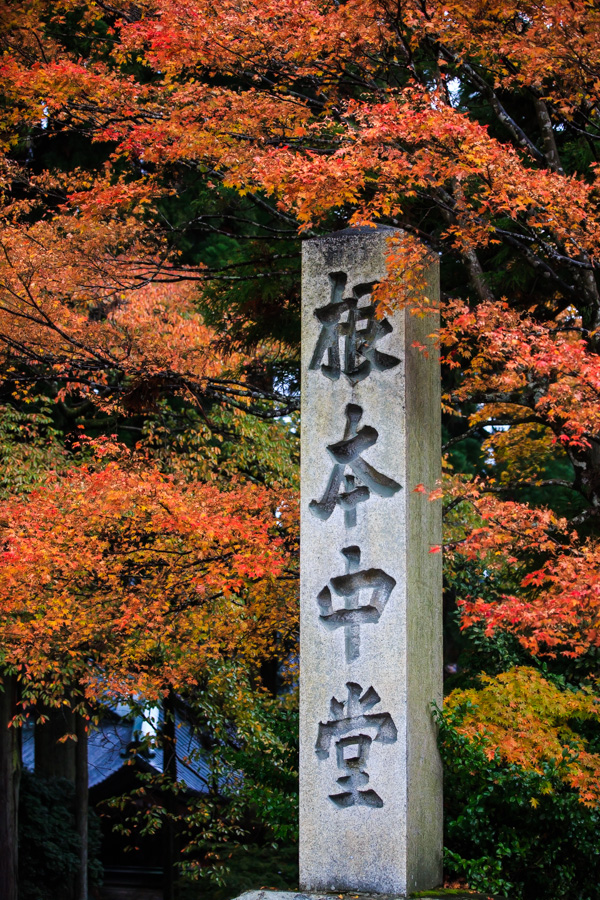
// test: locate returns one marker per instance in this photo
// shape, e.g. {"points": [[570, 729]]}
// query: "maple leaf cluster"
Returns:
{"points": [[110, 576]]}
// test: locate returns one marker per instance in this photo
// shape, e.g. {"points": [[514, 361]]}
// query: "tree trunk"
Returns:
{"points": [[10, 771], [81, 807], [170, 770]]}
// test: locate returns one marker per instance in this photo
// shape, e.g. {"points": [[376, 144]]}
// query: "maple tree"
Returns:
{"points": [[158, 158], [136, 569]]}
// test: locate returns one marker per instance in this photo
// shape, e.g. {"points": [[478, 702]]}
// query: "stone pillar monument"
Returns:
{"points": [[371, 616]]}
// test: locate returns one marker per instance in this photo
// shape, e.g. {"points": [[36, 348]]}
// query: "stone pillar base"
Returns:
{"points": [[440, 894]]}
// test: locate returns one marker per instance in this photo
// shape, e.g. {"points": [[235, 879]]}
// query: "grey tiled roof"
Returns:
{"points": [[107, 752]]}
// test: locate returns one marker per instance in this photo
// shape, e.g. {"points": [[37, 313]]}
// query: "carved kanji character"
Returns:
{"points": [[354, 614], [347, 454], [358, 342], [352, 750]]}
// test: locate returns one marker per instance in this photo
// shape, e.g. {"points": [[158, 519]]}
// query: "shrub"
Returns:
{"points": [[48, 841], [522, 833]]}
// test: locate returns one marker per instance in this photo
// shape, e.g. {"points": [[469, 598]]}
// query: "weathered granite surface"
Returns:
{"points": [[371, 661]]}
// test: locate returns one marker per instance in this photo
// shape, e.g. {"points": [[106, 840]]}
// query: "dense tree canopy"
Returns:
{"points": [[161, 163]]}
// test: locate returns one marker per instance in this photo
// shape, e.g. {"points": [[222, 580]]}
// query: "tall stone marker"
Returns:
{"points": [[371, 618]]}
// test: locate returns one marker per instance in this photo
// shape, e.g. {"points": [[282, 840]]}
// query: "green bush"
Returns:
{"points": [[249, 868], [517, 833], [48, 842]]}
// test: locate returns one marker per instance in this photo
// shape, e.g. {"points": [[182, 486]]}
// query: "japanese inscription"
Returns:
{"points": [[347, 724], [339, 320], [353, 614], [364, 480], [346, 320], [348, 345]]}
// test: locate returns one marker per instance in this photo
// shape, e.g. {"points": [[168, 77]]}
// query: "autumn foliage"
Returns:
{"points": [[160, 163], [111, 576]]}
